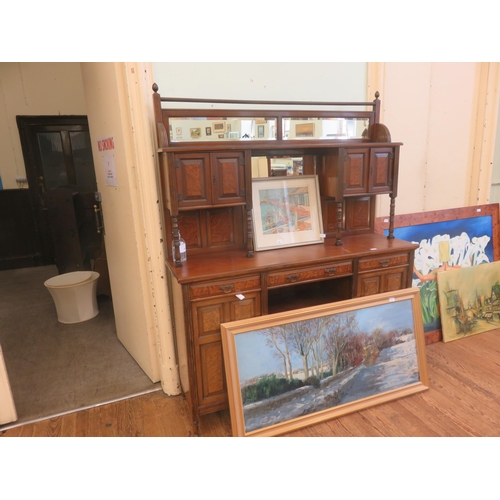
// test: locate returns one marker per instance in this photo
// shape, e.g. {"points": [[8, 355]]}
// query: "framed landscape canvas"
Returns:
{"points": [[286, 212], [447, 239], [469, 299], [289, 370]]}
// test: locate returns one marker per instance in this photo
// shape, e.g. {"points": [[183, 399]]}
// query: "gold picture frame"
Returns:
{"points": [[218, 127], [368, 351], [286, 212]]}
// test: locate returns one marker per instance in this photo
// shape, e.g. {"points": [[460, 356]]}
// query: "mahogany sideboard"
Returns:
{"points": [[208, 159]]}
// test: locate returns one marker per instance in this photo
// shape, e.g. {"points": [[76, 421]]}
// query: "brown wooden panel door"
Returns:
{"points": [[355, 171], [208, 315], [389, 280], [228, 178], [381, 170], [193, 177]]}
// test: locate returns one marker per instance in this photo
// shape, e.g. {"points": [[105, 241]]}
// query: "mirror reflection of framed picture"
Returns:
{"points": [[260, 131], [219, 127], [195, 133], [304, 130], [208, 131]]}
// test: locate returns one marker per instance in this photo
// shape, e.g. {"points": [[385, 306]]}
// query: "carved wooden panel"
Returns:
{"points": [[228, 178], [358, 213], [381, 170], [208, 319], [329, 215], [193, 179], [220, 227], [369, 285], [249, 307], [383, 261], [355, 171], [212, 379], [190, 228], [292, 276], [395, 280], [218, 288]]}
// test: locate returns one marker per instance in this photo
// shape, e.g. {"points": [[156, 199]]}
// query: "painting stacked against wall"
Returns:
{"points": [[469, 300], [448, 240], [289, 370]]}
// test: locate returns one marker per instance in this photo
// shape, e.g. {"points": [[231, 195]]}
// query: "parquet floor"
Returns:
{"points": [[463, 400]]}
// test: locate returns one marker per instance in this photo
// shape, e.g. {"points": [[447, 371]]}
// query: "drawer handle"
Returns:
{"points": [[384, 263], [226, 288], [331, 272], [292, 278]]}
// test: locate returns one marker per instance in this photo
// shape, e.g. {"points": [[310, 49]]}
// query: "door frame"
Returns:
{"points": [[29, 126]]}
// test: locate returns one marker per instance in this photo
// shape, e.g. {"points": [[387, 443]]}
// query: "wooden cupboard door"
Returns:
{"points": [[355, 171], [208, 315], [193, 180], [382, 281], [248, 307], [381, 170], [228, 178], [211, 382]]}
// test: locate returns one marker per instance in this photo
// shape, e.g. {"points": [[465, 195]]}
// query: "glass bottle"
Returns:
{"points": [[182, 249]]}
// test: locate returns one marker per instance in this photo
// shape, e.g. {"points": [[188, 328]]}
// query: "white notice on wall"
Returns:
{"points": [[110, 170]]}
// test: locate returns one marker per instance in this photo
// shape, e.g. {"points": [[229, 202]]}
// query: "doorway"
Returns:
{"points": [[63, 190]]}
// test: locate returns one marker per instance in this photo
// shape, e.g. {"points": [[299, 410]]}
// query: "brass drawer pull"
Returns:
{"points": [[384, 263], [331, 272], [292, 278], [226, 288]]}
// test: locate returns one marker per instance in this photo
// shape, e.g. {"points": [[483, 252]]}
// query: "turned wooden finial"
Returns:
{"points": [[377, 94], [155, 88]]}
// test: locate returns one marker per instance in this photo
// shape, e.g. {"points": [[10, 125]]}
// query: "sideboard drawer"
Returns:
{"points": [[224, 287], [302, 275], [383, 261]]}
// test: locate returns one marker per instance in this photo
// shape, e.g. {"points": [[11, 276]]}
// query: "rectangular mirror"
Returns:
{"points": [[297, 128], [264, 166], [212, 129]]}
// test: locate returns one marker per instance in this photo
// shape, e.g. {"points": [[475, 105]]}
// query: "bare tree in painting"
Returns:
{"points": [[276, 337], [302, 340], [340, 329]]}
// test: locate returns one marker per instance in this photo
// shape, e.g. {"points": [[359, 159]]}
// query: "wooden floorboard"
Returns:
{"points": [[463, 399]]}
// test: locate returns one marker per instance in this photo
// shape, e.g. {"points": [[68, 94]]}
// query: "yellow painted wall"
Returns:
{"points": [[33, 89]]}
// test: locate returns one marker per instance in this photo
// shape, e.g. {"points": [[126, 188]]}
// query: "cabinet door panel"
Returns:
{"points": [[228, 178], [249, 307], [356, 171], [212, 382], [193, 180], [381, 170]]}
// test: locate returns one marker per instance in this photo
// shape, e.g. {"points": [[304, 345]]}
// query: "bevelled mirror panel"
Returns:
{"points": [[324, 128], [210, 129]]}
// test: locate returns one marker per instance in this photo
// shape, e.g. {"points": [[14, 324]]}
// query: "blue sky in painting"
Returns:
{"points": [[255, 358], [474, 227]]}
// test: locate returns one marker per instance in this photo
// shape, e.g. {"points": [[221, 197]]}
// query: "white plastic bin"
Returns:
{"points": [[74, 296]]}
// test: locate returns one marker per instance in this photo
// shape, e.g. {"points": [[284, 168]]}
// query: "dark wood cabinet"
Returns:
{"points": [[209, 179], [207, 197]]}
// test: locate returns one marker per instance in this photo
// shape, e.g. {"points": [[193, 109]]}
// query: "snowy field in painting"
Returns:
{"points": [[396, 367]]}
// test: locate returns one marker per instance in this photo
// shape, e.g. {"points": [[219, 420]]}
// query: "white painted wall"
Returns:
{"points": [[429, 107], [269, 81]]}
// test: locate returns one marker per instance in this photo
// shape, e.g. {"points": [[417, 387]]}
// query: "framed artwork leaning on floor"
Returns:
{"points": [[289, 370]]}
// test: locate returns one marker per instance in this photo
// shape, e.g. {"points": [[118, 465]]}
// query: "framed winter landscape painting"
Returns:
{"points": [[447, 239], [286, 212], [290, 370]]}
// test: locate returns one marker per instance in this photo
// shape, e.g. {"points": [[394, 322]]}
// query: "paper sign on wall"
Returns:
{"points": [[110, 170]]}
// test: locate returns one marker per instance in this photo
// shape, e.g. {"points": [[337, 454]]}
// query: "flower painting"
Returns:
{"points": [[295, 369], [447, 239]]}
